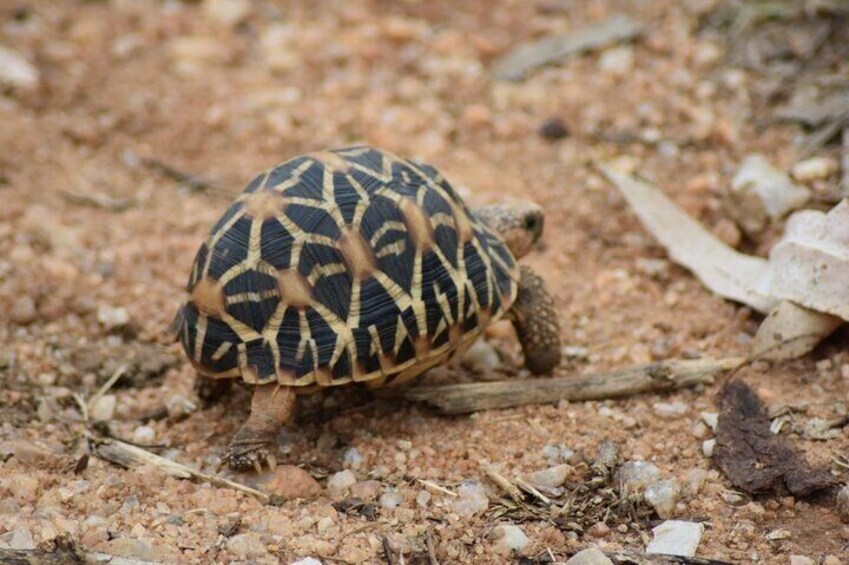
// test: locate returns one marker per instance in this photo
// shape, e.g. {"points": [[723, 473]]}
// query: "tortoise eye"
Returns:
{"points": [[532, 222]]}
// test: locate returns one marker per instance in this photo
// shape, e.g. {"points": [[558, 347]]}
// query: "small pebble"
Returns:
{"points": [[599, 530], [103, 409], [676, 537], [23, 311], [635, 476], [590, 556], [695, 480], [16, 71], [552, 477], [247, 545], [288, 482], [815, 168], [367, 490], [843, 503], [324, 524], [306, 561], [144, 435], [423, 498], [227, 12], [340, 482], [831, 560], [711, 419], [352, 458], [19, 538], [390, 499], [670, 409], [801, 560], [510, 537], [553, 129], [707, 447], [617, 61], [663, 496], [112, 318], [472, 499]]}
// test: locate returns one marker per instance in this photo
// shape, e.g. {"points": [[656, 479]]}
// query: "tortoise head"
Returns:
{"points": [[518, 222]]}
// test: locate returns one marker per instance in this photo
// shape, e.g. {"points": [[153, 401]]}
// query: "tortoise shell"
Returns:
{"points": [[345, 265]]}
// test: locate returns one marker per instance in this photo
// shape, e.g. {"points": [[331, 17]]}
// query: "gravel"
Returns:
{"points": [[510, 537]]}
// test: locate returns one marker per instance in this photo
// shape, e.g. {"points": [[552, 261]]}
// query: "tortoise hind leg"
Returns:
{"points": [[209, 391], [271, 407], [535, 318]]}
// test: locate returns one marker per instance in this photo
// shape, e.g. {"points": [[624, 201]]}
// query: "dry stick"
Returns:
{"points": [[129, 456], [654, 377], [530, 489]]}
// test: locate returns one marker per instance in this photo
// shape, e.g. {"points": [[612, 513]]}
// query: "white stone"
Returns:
{"points": [[306, 561], [695, 479], [103, 408], [352, 458], [247, 545], [227, 12], [801, 560], [663, 496], [144, 435], [617, 61], [472, 499], [112, 317], [16, 71], [390, 499], [510, 536], [590, 556], [707, 447], [481, 357], [423, 498], [762, 192], [552, 477], [324, 524], [676, 537], [815, 168], [635, 476], [711, 419], [670, 409], [341, 481], [19, 538]]}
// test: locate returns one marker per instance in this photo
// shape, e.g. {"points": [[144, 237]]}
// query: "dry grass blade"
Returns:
{"points": [[98, 201], [130, 456], [667, 375], [107, 386], [437, 488], [503, 483]]}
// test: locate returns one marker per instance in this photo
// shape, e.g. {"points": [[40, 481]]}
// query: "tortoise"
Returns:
{"points": [[353, 265]]}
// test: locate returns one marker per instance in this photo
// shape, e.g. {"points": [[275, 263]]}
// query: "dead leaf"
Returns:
{"points": [[791, 331], [754, 459]]}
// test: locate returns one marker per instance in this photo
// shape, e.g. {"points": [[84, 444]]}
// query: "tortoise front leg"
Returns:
{"points": [[535, 318], [271, 407]]}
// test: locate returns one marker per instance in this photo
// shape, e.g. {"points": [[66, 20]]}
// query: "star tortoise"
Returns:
{"points": [[353, 265]]}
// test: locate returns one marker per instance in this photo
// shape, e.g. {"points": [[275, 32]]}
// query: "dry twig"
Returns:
{"points": [[129, 456], [503, 483], [666, 375]]}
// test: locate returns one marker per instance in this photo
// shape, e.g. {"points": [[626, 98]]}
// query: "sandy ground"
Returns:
{"points": [[91, 233]]}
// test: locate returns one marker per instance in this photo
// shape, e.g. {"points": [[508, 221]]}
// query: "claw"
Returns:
{"points": [[272, 462], [257, 466]]}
